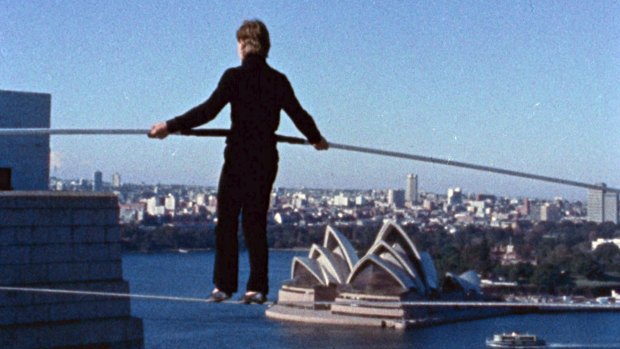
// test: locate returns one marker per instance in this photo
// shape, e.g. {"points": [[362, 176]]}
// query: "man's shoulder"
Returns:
{"points": [[278, 75], [232, 71]]}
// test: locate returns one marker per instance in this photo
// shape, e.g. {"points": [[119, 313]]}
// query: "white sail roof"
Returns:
{"points": [[386, 252], [306, 271], [340, 246], [396, 237], [335, 271], [375, 275], [432, 280]]}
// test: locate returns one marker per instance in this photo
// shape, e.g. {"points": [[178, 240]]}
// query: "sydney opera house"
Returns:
{"points": [[385, 287]]}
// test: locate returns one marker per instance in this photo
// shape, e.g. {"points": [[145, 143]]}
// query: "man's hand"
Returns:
{"points": [[321, 145], [159, 130]]}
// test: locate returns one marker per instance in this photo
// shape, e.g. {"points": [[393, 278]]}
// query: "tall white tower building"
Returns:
{"points": [[116, 180], [411, 190], [602, 205]]}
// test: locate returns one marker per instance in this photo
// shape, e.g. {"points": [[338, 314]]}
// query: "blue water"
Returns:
{"points": [[197, 325]]}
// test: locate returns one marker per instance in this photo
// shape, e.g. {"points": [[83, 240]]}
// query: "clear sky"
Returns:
{"points": [[525, 85]]}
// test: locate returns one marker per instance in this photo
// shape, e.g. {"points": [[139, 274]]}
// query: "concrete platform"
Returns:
{"points": [[326, 317]]}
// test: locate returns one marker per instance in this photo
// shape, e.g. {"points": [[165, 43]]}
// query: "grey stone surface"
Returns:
{"points": [[89, 234], [56, 200], [106, 333], [63, 241]]}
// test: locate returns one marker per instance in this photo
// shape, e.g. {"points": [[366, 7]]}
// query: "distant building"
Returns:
{"points": [[341, 200], [212, 204], [98, 181], [535, 209], [116, 180], [411, 190], [455, 196], [24, 160], [485, 197], [300, 200], [598, 242], [478, 208], [602, 205], [153, 207], [170, 203], [396, 198], [550, 213], [428, 204], [360, 200], [524, 209], [131, 213], [507, 255]]}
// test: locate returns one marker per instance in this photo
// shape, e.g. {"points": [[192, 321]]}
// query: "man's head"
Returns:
{"points": [[253, 38]]}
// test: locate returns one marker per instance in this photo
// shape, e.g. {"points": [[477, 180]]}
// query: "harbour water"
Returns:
{"points": [[201, 325]]}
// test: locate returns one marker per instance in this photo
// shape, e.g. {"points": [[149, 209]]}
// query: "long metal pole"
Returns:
{"points": [[296, 140]]}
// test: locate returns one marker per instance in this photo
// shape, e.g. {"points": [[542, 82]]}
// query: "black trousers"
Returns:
{"points": [[244, 189]]}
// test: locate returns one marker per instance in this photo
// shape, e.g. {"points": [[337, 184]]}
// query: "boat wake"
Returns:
{"points": [[583, 345]]}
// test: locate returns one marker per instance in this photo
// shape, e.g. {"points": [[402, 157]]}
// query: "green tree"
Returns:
{"points": [[550, 278], [608, 256], [586, 265]]}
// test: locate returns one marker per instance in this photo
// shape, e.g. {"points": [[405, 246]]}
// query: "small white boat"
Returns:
{"points": [[515, 340], [182, 250]]}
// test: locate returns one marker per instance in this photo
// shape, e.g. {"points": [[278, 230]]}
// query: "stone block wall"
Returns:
{"points": [[52, 240]]}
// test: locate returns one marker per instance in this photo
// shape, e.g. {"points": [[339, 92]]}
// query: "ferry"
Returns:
{"points": [[515, 340]]}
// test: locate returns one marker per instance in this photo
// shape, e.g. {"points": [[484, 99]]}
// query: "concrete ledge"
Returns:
{"points": [[58, 216], [50, 199], [78, 310]]}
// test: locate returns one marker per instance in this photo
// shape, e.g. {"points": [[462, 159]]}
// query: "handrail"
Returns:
{"points": [[296, 140]]}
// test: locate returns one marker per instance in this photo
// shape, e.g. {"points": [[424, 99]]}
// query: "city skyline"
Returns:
{"points": [[89, 183], [530, 87]]}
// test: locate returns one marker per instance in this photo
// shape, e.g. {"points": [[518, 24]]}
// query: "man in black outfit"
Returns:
{"points": [[256, 93]]}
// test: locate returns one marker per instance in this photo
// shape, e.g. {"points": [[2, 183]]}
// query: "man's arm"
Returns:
{"points": [[302, 120], [200, 114]]}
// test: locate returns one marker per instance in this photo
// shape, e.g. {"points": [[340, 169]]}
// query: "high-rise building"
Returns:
{"points": [[201, 199], [341, 200], [611, 207], [360, 200], [24, 160], [170, 203], [411, 190], [455, 196], [116, 180], [396, 198], [602, 205], [98, 181], [550, 213]]}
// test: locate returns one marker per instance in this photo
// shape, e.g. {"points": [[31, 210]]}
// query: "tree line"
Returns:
{"points": [[554, 255]]}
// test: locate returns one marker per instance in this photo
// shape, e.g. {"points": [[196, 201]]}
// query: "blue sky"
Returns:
{"points": [[524, 85]]}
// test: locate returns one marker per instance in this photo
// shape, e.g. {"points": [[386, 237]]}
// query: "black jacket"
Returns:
{"points": [[256, 93]]}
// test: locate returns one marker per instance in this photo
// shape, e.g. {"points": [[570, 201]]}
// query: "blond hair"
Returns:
{"points": [[254, 38]]}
